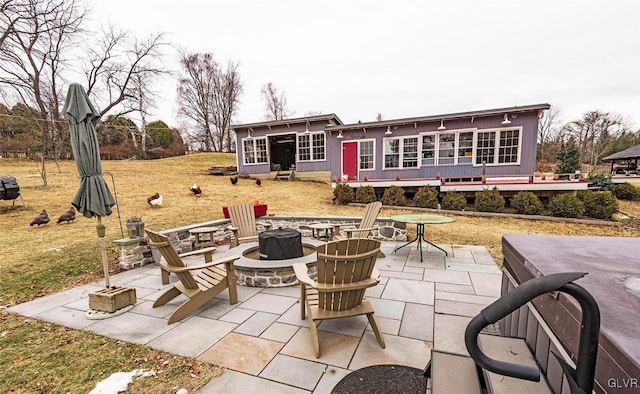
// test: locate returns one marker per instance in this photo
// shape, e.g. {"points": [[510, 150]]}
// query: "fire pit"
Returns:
{"points": [[253, 272]]}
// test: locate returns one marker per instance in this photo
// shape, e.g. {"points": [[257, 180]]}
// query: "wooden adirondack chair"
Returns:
{"points": [[367, 224], [369, 217], [346, 268], [243, 224], [210, 281]]}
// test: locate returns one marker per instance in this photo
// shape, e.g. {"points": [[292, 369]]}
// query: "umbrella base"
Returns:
{"points": [[92, 314], [112, 298]]}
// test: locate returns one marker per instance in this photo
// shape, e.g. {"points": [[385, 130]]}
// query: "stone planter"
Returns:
{"points": [[135, 229]]}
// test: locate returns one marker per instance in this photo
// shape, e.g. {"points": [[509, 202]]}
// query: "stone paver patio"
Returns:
{"points": [[264, 344]]}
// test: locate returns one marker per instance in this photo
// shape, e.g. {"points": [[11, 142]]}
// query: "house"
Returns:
{"points": [[463, 151]]}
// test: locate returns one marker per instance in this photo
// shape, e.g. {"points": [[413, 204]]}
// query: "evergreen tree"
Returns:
{"points": [[569, 157]]}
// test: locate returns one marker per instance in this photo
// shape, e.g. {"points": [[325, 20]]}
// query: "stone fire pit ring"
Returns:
{"points": [[253, 272]]}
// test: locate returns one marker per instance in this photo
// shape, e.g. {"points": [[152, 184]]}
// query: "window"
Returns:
{"points": [[428, 150], [254, 150], [508, 150], [401, 152], [498, 147], [465, 148], [366, 155], [446, 148], [311, 147]]}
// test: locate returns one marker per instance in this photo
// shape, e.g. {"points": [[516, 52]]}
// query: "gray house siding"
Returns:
{"points": [[455, 152]]}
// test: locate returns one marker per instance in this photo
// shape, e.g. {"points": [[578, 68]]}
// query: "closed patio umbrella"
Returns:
{"points": [[93, 197]]}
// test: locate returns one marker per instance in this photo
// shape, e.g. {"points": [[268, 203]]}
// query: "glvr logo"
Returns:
{"points": [[623, 383]]}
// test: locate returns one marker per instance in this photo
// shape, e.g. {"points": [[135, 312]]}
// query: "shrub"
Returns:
{"points": [[426, 197], [365, 194], [394, 195], [566, 205], [626, 191], [343, 193], [527, 203], [489, 200], [454, 201], [601, 182], [599, 205]]}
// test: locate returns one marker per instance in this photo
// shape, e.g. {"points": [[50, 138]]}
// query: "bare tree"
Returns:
{"points": [[275, 103], [35, 36], [548, 129], [122, 69], [208, 97], [594, 133]]}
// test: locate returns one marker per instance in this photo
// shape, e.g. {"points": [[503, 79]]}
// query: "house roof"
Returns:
{"points": [[271, 123], [431, 118], [630, 153]]}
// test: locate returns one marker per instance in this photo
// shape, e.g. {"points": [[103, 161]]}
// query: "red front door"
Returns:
{"points": [[350, 160]]}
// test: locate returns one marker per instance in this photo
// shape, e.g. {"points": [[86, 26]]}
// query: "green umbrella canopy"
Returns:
{"points": [[93, 197]]}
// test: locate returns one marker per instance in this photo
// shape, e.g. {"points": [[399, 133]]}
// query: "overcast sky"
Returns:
{"points": [[405, 58]]}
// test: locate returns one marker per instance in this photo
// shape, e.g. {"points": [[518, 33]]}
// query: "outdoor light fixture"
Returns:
{"points": [[306, 130], [388, 132], [506, 119], [339, 135], [249, 134], [442, 125]]}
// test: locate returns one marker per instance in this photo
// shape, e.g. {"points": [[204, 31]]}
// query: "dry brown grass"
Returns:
{"points": [[38, 261]]}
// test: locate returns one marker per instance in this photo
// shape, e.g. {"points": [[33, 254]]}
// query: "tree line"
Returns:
{"points": [[587, 140]]}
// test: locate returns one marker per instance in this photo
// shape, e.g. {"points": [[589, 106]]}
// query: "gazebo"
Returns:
{"points": [[628, 156]]}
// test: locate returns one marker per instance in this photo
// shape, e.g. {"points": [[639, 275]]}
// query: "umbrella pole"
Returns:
{"points": [[102, 230]]}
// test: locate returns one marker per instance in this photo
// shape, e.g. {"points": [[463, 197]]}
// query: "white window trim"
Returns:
{"points": [[374, 154], [310, 134], [496, 148], [456, 157], [401, 153], [253, 141]]}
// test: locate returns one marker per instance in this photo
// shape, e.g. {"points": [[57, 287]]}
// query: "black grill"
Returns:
{"points": [[9, 189]]}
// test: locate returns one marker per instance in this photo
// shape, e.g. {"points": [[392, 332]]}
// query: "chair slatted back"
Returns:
{"points": [[345, 261], [171, 256], [243, 218], [369, 217]]}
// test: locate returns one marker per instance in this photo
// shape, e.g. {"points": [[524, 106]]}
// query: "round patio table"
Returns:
{"points": [[420, 220], [203, 236]]}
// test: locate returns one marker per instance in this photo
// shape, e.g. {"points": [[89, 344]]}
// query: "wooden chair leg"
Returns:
{"points": [[314, 337], [164, 274], [231, 283], [376, 329], [189, 306], [303, 301], [167, 296]]}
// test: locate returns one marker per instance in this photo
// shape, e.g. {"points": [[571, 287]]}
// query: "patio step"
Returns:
{"points": [[453, 374], [284, 176], [511, 350]]}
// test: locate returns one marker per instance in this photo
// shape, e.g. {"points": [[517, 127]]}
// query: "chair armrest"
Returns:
{"points": [[225, 260], [361, 284], [350, 231], [303, 276], [196, 252]]}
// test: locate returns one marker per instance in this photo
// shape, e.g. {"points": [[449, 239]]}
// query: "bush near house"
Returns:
{"points": [[601, 182], [365, 194], [626, 191], [527, 203], [426, 197], [598, 205], [394, 195], [454, 201], [489, 200], [343, 193], [566, 205]]}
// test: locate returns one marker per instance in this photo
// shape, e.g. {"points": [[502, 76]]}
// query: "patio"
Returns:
{"points": [[265, 345]]}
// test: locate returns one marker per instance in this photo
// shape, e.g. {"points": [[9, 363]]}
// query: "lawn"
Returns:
{"points": [[40, 260]]}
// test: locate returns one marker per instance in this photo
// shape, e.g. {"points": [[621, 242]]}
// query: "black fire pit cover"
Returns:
{"points": [[280, 244]]}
